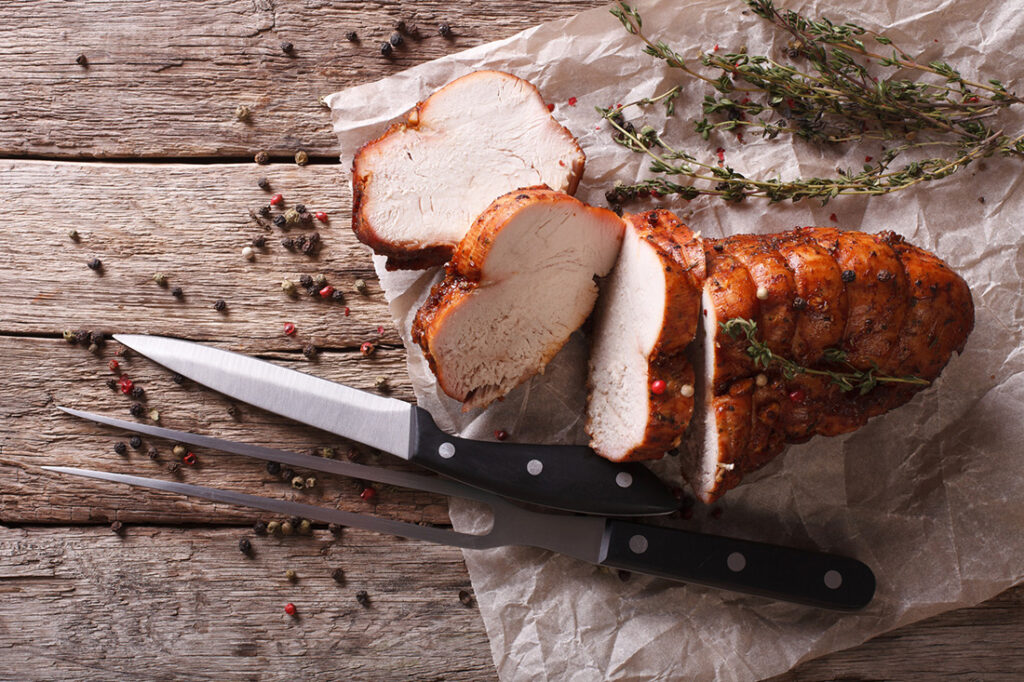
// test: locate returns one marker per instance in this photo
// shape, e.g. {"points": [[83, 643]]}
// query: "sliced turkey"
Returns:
{"points": [[417, 189], [520, 282], [640, 382], [889, 306]]}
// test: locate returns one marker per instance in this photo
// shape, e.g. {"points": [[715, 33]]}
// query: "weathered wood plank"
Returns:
{"points": [[42, 373], [172, 603], [191, 223], [164, 78]]}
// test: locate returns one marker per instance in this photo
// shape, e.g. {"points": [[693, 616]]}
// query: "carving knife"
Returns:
{"points": [[566, 477]]}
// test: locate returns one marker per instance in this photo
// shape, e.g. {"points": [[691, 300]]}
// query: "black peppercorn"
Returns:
{"points": [[259, 242], [337, 295], [287, 47], [138, 393], [399, 25], [799, 303], [335, 528], [153, 452], [263, 183], [117, 527], [466, 598], [848, 276], [719, 248], [120, 448], [445, 30], [74, 236], [82, 60], [264, 211], [174, 467], [386, 49], [363, 599], [112, 384], [135, 442], [219, 305], [260, 528], [311, 244], [176, 292], [177, 378], [245, 546], [97, 338], [309, 351], [280, 221], [95, 264], [274, 468], [82, 337], [396, 39], [351, 36], [306, 281], [287, 474], [137, 410], [339, 576], [288, 243], [300, 208]]}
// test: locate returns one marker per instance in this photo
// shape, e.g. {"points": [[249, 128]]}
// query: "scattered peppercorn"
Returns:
{"points": [[177, 292], [338, 296], [290, 575], [97, 338], [624, 576], [326, 291], [386, 49], [363, 598], [351, 36], [137, 393], [120, 448], [74, 236], [112, 384], [177, 378], [301, 158], [69, 337], [305, 527], [137, 410], [289, 608], [154, 415], [287, 474], [380, 383], [280, 221], [153, 452], [289, 328], [82, 337], [263, 183], [466, 598], [260, 528], [291, 217], [160, 279], [311, 244], [799, 303], [309, 351], [658, 387], [361, 287], [445, 30], [298, 483], [82, 60], [248, 253], [367, 349], [848, 276], [396, 39], [287, 47], [173, 467], [95, 264], [258, 242], [288, 243], [320, 280], [501, 434], [338, 575], [190, 458], [245, 546], [242, 113], [219, 305], [288, 287], [369, 494], [321, 216], [178, 450], [716, 513], [310, 482], [135, 442], [117, 527], [287, 528], [264, 211], [274, 527], [399, 25], [262, 158], [336, 529], [113, 365]]}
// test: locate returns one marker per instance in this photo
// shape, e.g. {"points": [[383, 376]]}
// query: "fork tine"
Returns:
{"points": [[288, 508]]}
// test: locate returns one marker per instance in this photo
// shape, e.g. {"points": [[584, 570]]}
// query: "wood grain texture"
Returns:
{"points": [[185, 603], [164, 78]]}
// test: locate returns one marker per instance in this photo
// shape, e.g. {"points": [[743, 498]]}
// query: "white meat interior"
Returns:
{"points": [[700, 456], [628, 322], [478, 138], [537, 287]]}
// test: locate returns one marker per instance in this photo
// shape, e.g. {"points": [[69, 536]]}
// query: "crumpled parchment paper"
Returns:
{"points": [[931, 496]]}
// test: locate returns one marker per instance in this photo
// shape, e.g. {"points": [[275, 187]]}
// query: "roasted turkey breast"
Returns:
{"points": [[417, 189], [827, 300], [640, 381], [520, 282]]}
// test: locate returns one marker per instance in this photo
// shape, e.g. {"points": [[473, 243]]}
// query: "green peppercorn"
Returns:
{"points": [[298, 483], [74, 236], [361, 287], [305, 527], [338, 575], [69, 336], [327, 453], [301, 158], [274, 527], [380, 383], [291, 576], [320, 280], [160, 278], [242, 112], [287, 528]]}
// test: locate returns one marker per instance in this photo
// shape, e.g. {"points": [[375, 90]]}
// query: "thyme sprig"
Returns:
{"points": [[847, 379], [829, 96]]}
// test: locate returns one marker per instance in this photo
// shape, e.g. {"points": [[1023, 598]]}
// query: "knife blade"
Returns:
{"points": [[570, 478]]}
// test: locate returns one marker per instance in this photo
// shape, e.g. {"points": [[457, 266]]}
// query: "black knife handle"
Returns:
{"points": [[815, 578], [565, 477]]}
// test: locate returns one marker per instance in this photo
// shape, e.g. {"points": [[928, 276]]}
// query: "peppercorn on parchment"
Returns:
{"points": [[931, 495]]}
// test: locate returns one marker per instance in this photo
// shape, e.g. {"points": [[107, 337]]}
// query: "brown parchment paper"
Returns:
{"points": [[930, 496]]}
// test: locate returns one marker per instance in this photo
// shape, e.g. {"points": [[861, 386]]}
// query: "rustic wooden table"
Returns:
{"points": [[139, 150]]}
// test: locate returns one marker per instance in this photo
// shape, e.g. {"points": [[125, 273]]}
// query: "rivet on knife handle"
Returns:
{"points": [[561, 477], [815, 578]]}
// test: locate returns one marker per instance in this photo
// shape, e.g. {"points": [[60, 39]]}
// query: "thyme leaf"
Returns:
{"points": [[848, 379], [826, 93]]}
